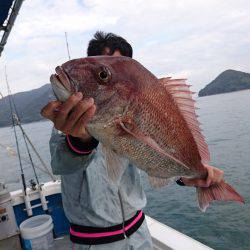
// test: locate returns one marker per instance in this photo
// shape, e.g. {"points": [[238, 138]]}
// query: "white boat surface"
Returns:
{"points": [[164, 237]]}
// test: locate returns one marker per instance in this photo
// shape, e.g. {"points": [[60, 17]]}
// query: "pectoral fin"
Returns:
{"points": [[131, 128]]}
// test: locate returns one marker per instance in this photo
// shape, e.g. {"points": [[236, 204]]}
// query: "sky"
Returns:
{"points": [[194, 39]]}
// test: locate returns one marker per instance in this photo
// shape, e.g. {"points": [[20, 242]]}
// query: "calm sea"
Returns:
{"points": [[226, 123]]}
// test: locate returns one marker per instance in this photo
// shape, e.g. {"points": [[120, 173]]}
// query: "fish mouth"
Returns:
{"points": [[62, 78], [62, 85]]}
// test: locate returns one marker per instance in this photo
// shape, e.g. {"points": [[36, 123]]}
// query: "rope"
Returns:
{"points": [[31, 161], [37, 154], [13, 153]]}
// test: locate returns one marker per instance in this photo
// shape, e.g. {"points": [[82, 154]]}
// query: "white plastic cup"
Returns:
{"points": [[37, 233]]}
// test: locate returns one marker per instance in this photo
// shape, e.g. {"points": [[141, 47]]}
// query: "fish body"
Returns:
{"points": [[150, 121]]}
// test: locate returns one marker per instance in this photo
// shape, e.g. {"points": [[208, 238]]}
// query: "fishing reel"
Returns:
{"points": [[33, 184]]}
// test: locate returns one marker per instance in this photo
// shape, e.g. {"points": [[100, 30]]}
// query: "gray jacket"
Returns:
{"points": [[91, 199]]}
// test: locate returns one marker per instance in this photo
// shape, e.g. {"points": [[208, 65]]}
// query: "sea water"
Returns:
{"points": [[225, 122]]}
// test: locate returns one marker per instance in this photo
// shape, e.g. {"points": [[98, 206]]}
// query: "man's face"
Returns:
{"points": [[106, 52]]}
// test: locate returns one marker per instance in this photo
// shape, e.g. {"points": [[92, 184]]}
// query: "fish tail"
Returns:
{"points": [[221, 192]]}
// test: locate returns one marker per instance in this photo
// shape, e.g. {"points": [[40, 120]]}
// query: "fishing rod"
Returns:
{"points": [[67, 44], [15, 133], [26, 138], [16, 119], [15, 122], [26, 197], [47, 170], [31, 160]]}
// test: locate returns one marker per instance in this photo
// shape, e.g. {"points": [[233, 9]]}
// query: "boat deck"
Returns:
{"points": [[163, 236]]}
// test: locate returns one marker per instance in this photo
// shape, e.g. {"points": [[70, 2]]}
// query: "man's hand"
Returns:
{"points": [[214, 176], [71, 116]]}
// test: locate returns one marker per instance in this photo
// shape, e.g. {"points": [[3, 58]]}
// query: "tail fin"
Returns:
{"points": [[221, 192]]}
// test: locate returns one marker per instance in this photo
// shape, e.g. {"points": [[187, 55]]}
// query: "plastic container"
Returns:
{"points": [[37, 233], [9, 233]]}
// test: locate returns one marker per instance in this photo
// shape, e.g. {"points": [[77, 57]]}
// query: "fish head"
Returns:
{"points": [[109, 80], [99, 77]]}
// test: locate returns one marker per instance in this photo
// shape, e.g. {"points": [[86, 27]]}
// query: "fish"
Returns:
{"points": [[150, 122]]}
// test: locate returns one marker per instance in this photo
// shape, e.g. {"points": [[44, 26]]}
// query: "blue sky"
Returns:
{"points": [[195, 39]]}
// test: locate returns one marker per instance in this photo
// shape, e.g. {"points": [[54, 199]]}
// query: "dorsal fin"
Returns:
{"points": [[182, 96]]}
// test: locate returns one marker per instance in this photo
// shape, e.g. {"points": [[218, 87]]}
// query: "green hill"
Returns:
{"points": [[29, 105], [227, 81]]}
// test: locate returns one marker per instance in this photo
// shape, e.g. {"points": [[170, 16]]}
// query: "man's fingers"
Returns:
{"points": [[214, 176], [65, 109], [76, 113], [79, 129], [88, 115], [72, 116], [217, 175], [49, 110]]}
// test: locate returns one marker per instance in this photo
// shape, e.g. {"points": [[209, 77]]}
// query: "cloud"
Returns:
{"points": [[192, 38]]}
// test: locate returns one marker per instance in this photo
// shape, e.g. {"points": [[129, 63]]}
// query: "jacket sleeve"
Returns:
{"points": [[69, 154]]}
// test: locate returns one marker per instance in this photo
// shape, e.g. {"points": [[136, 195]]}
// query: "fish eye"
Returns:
{"points": [[104, 75]]}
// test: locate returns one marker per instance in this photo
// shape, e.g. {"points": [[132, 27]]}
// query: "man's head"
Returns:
{"points": [[109, 44]]}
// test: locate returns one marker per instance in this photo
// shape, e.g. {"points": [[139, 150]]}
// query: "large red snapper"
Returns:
{"points": [[149, 121]]}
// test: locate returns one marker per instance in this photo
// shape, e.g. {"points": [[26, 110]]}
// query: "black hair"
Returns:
{"points": [[103, 40]]}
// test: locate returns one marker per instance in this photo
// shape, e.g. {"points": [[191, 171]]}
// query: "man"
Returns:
{"points": [[102, 215]]}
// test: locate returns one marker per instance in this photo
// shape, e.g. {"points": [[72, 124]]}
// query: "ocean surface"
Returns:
{"points": [[225, 121]]}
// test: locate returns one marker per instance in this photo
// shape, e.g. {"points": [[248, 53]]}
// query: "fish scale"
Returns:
{"points": [[148, 160], [165, 133]]}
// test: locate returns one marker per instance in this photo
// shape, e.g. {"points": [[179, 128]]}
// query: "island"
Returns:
{"points": [[228, 81], [28, 103]]}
